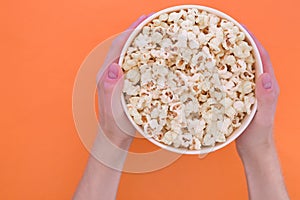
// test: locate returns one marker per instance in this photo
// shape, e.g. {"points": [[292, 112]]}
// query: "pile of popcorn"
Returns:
{"points": [[189, 79]]}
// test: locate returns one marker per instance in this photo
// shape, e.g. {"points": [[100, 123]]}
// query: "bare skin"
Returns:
{"points": [[256, 146], [100, 181]]}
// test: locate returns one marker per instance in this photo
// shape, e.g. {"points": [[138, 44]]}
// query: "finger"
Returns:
{"points": [[267, 93], [121, 39], [150, 14], [118, 43], [138, 21], [265, 58], [117, 110], [110, 101], [106, 86], [266, 61], [105, 80], [111, 77]]}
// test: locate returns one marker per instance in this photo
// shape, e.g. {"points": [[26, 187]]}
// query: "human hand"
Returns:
{"points": [[256, 146], [106, 83], [259, 134]]}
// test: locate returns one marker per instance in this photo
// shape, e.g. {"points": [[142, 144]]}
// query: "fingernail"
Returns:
{"points": [[113, 71], [267, 81]]}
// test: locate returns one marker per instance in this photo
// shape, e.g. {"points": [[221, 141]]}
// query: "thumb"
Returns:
{"points": [[107, 85], [111, 97], [111, 77], [266, 92]]}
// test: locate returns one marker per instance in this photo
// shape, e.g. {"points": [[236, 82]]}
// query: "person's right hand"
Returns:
{"points": [[256, 146], [259, 134]]}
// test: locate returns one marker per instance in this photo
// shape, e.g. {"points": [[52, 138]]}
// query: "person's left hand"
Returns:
{"points": [[105, 87]]}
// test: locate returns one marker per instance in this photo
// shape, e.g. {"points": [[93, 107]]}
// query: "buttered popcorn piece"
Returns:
{"points": [[189, 79]]}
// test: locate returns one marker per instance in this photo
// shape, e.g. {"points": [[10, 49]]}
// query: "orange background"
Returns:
{"points": [[42, 46]]}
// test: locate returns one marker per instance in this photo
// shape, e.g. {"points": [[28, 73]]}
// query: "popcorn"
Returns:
{"points": [[229, 60], [187, 25], [169, 137], [249, 101], [140, 102], [223, 126], [241, 64], [189, 79], [187, 140], [176, 110], [135, 114], [226, 102], [182, 39], [214, 44], [236, 123], [163, 111], [202, 20], [173, 29], [141, 41], [242, 50], [213, 20], [174, 17], [246, 75], [230, 112], [146, 30], [250, 60], [130, 89], [156, 22], [209, 140], [246, 87], [239, 106], [206, 85], [226, 75], [196, 127], [191, 107], [163, 17], [196, 144], [226, 25], [166, 43], [133, 76], [194, 44], [146, 77], [240, 36], [167, 96]]}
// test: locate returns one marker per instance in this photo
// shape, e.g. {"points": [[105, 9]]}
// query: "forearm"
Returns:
{"points": [[264, 176], [99, 182], [102, 174]]}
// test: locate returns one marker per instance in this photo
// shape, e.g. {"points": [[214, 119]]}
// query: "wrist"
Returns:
{"points": [[263, 172], [256, 151], [120, 140], [110, 150]]}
